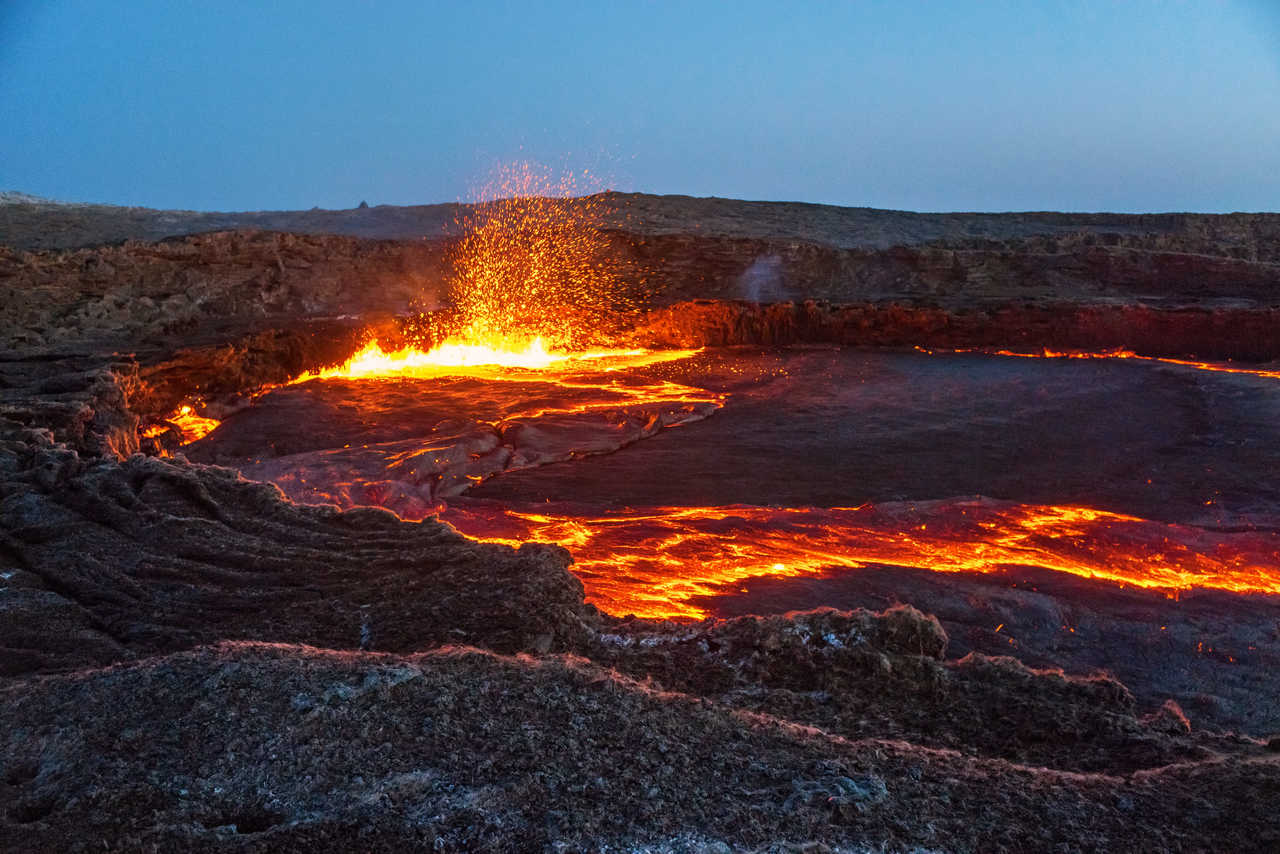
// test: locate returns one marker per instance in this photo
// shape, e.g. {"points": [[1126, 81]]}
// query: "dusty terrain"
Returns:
{"points": [[189, 660]]}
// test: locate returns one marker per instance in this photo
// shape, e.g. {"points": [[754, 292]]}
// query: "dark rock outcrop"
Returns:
{"points": [[108, 554], [1097, 271], [206, 287], [154, 556], [862, 674]]}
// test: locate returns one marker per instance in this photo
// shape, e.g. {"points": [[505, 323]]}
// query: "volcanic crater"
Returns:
{"points": [[846, 528]]}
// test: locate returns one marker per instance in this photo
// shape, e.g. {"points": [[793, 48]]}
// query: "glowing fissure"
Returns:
{"points": [[656, 563], [468, 355], [1214, 367]]}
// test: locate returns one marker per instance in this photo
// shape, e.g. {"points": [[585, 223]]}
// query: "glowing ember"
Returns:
{"points": [[655, 563]]}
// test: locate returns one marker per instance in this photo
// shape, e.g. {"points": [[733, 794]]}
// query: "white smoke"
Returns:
{"points": [[762, 281]]}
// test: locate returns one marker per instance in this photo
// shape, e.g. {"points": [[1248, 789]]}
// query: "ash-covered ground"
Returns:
{"points": [[192, 661]]}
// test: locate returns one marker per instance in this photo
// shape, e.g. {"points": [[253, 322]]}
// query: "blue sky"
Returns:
{"points": [[1124, 105]]}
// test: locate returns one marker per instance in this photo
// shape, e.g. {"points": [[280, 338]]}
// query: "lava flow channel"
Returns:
{"points": [[658, 562]]}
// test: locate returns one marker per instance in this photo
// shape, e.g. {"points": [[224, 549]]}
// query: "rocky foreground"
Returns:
{"points": [[189, 661]]}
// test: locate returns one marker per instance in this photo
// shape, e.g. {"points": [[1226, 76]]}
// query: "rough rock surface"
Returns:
{"points": [[863, 674], [160, 556], [211, 286], [254, 747], [1210, 652], [1119, 289], [107, 554]]}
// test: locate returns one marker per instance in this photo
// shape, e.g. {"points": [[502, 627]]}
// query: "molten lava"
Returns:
{"points": [[659, 561], [187, 422], [656, 563], [534, 286], [463, 357]]}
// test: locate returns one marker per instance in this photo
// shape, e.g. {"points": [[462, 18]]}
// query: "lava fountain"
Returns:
{"points": [[534, 285]]}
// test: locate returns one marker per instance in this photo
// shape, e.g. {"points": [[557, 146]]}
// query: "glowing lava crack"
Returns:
{"points": [[657, 562]]}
